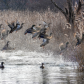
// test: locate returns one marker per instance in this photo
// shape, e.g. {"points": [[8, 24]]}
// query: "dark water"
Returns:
{"points": [[24, 68]]}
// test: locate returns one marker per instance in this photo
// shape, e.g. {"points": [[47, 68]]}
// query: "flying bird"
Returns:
{"points": [[19, 26], [46, 40], [12, 26], [30, 30]]}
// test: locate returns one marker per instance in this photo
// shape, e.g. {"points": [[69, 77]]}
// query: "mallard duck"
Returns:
{"points": [[12, 26], [2, 66], [48, 36], [46, 25], [35, 34], [19, 26], [42, 66], [13, 29], [46, 40], [43, 31], [42, 34], [30, 30], [37, 31], [38, 27]]}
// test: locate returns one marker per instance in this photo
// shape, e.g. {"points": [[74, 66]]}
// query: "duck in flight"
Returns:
{"points": [[42, 34], [46, 40], [43, 31], [12, 26], [19, 26], [37, 31], [13, 29], [30, 30]]}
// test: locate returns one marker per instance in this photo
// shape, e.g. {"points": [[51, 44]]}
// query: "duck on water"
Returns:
{"points": [[42, 66], [2, 66]]}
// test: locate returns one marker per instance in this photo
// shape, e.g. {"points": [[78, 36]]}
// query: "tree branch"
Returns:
{"points": [[58, 7], [71, 12], [66, 11], [79, 6]]}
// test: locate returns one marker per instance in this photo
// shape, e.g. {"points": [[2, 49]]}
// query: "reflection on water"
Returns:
{"points": [[24, 68]]}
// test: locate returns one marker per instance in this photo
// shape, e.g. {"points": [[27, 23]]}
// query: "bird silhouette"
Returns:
{"points": [[30, 30], [42, 66], [19, 26], [46, 40], [2, 66], [12, 26]]}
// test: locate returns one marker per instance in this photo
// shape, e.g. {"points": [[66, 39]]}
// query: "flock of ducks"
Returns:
{"points": [[40, 32], [36, 31]]}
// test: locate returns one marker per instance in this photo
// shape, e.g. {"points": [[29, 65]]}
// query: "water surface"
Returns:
{"points": [[24, 68]]}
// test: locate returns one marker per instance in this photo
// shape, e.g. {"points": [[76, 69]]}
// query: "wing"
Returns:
{"points": [[43, 44], [30, 30], [11, 26], [35, 34], [13, 29], [18, 27], [45, 41], [43, 30], [27, 31]]}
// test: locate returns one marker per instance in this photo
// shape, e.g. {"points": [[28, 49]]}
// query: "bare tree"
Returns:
{"points": [[70, 11], [74, 15]]}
